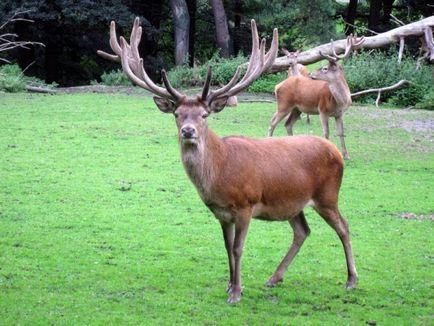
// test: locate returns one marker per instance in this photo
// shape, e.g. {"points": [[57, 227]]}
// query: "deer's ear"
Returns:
{"points": [[165, 105], [218, 104]]}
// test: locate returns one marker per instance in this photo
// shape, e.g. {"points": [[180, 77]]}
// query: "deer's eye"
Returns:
{"points": [[205, 115], [325, 69], [176, 115]]}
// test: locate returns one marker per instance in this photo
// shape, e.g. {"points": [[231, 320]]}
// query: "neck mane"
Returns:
{"points": [[341, 92], [202, 161]]}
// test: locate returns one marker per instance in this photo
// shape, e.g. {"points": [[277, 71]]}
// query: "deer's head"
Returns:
{"points": [[190, 113], [332, 71], [291, 57]]}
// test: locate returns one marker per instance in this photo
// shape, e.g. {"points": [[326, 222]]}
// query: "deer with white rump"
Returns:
{"points": [[240, 178], [326, 94]]}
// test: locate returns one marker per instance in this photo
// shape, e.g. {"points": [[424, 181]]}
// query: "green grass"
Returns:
{"points": [[100, 226]]}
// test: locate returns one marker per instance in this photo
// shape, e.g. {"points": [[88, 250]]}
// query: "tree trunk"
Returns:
{"points": [[238, 13], [182, 28], [351, 17], [192, 7], [416, 29], [221, 26]]}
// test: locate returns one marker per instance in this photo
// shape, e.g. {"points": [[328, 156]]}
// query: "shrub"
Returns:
{"points": [[114, 78], [378, 69], [222, 71], [11, 79], [266, 83]]}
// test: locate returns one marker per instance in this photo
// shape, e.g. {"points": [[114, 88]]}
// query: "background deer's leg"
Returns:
{"points": [[293, 117], [301, 231], [325, 124], [340, 131], [241, 228], [334, 218], [228, 236], [277, 117]]}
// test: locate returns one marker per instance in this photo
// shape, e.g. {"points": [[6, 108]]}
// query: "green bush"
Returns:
{"points": [[114, 78], [377, 69], [222, 71], [11, 79], [266, 83]]}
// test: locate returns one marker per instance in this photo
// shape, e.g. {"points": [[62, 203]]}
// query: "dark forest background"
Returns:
{"points": [[183, 32]]}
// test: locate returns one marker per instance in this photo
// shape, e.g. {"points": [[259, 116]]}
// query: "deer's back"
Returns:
{"points": [[278, 175], [306, 94]]}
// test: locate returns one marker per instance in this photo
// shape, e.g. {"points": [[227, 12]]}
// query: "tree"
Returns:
{"points": [[351, 17], [181, 20], [221, 26]]}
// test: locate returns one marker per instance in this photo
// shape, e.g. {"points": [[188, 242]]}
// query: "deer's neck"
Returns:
{"points": [[203, 161], [341, 92]]}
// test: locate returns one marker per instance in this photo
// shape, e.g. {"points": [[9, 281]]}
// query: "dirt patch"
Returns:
{"points": [[413, 216], [419, 125]]}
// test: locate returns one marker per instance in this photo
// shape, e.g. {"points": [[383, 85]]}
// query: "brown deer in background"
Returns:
{"points": [[240, 178], [329, 96], [295, 68]]}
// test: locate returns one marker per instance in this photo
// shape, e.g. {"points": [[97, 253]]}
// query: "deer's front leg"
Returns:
{"points": [[241, 228], [228, 236], [340, 130], [325, 124]]}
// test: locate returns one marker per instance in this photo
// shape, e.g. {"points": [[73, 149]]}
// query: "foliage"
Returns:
{"points": [[114, 78], [222, 71], [376, 69], [72, 32], [99, 225], [13, 80], [267, 83], [297, 21]]}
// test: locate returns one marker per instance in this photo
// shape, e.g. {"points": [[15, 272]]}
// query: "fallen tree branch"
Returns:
{"points": [[37, 89], [383, 89], [417, 29]]}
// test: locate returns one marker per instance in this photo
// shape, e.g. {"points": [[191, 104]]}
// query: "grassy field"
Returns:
{"points": [[100, 226]]}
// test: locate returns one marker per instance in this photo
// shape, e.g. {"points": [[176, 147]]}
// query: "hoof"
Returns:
{"points": [[234, 297], [351, 284], [273, 282]]}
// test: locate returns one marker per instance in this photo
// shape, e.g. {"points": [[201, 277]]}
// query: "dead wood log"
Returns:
{"points": [[421, 28]]}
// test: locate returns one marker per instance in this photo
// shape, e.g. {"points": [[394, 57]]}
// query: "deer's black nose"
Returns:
{"points": [[188, 132]]}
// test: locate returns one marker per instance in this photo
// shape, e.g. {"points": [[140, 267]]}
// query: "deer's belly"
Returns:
{"points": [[262, 212], [280, 212]]}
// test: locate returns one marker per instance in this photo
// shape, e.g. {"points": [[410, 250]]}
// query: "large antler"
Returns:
{"points": [[258, 63], [353, 42], [132, 64]]}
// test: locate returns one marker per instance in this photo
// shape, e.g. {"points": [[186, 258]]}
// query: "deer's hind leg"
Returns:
{"points": [[301, 231], [293, 117], [277, 117], [334, 218]]}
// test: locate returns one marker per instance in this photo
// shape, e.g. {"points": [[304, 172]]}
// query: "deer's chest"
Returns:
{"points": [[223, 214]]}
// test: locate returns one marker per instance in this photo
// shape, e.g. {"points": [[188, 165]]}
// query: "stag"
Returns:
{"points": [[240, 178], [327, 94]]}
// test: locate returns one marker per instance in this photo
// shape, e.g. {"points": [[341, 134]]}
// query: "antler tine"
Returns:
{"points": [[225, 88], [272, 52], [351, 44], [205, 89], [175, 94], [113, 44], [258, 63], [329, 57], [132, 64], [146, 82]]}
